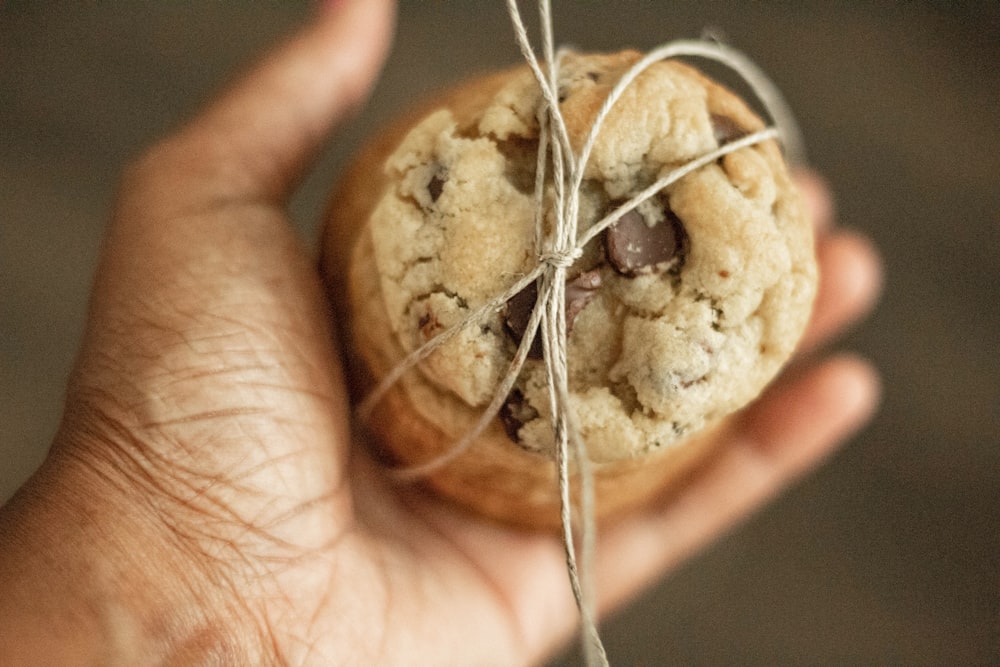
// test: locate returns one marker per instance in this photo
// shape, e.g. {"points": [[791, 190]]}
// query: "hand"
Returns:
{"points": [[203, 501]]}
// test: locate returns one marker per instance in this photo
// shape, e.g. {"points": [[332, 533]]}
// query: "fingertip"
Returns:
{"points": [[817, 197], [853, 382], [257, 139], [804, 417], [861, 277], [846, 394], [849, 285], [364, 28]]}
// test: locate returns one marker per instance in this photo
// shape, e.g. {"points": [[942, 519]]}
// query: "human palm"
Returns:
{"points": [[207, 460]]}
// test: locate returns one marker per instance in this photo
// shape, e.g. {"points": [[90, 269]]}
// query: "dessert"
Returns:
{"points": [[678, 314]]}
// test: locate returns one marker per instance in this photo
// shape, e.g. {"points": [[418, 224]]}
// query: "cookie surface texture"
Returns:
{"points": [[678, 315]]}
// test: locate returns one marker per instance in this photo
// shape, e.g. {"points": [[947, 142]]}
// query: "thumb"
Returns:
{"points": [[205, 306], [258, 138], [244, 154]]}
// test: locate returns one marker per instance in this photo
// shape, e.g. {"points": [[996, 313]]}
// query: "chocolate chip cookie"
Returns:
{"points": [[678, 314]]}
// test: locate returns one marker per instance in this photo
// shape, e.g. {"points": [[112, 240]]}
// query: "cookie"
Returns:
{"points": [[678, 315]]}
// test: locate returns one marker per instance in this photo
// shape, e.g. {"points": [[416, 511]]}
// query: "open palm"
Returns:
{"points": [[206, 453]]}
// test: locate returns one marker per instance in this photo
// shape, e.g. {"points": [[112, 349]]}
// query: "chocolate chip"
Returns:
{"points": [[435, 187], [515, 413], [579, 291], [634, 248], [429, 325], [516, 316], [725, 129]]}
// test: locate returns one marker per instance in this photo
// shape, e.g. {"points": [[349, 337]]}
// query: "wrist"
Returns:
{"points": [[90, 576]]}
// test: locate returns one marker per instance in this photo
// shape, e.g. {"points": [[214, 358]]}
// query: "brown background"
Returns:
{"points": [[891, 553]]}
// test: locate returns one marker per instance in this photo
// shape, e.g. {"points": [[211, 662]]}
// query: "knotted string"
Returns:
{"points": [[556, 254]]}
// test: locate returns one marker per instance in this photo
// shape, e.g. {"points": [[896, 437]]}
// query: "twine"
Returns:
{"points": [[566, 244]]}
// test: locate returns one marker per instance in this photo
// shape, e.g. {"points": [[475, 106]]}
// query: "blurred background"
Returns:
{"points": [[890, 554]]}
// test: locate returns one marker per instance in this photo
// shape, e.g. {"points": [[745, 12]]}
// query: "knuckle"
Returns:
{"points": [[154, 179], [149, 165]]}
